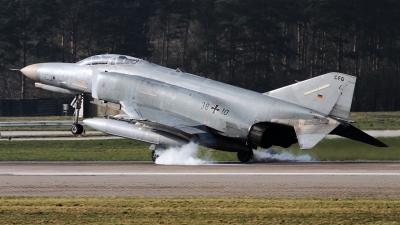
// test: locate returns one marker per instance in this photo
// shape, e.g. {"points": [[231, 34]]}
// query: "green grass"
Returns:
{"points": [[130, 150], [364, 121], [41, 210], [37, 118], [42, 128], [345, 149], [376, 120], [39, 128], [87, 150], [6, 134]]}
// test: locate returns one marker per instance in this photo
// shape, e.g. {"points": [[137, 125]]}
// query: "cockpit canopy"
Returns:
{"points": [[110, 59]]}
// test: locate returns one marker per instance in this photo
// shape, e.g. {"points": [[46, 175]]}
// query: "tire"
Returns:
{"points": [[76, 129], [245, 156]]}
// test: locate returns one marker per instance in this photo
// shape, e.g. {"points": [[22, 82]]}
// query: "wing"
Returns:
{"points": [[161, 119], [168, 122]]}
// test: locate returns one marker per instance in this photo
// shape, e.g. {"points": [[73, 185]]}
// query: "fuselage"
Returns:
{"points": [[228, 109]]}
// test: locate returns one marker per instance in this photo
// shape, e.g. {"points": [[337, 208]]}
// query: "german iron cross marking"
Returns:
{"points": [[215, 108]]}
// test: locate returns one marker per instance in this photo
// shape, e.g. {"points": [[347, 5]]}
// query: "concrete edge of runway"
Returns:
{"points": [[190, 174]]}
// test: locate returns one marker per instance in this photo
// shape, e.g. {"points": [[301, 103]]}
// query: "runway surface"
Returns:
{"points": [[138, 179]]}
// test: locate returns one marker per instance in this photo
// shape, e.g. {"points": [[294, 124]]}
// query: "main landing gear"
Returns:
{"points": [[76, 104], [155, 150], [154, 156], [245, 156]]}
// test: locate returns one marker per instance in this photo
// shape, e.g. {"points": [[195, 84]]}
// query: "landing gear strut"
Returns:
{"points": [[245, 156], [76, 104], [154, 156], [155, 150]]}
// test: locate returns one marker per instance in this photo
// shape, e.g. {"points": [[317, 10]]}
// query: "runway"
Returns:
{"points": [[141, 179]]}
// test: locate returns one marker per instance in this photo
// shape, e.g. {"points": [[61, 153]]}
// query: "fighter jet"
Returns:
{"points": [[169, 107]]}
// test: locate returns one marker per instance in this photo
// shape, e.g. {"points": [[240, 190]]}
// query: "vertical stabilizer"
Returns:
{"points": [[330, 94]]}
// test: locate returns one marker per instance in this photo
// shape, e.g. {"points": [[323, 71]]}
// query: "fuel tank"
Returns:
{"points": [[136, 131]]}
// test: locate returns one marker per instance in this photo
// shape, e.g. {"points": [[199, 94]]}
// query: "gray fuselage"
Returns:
{"points": [[228, 109]]}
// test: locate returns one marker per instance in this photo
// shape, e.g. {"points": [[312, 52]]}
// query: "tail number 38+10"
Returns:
{"points": [[215, 108]]}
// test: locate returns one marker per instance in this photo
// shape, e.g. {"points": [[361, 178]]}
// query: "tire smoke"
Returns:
{"points": [[185, 155], [282, 156]]}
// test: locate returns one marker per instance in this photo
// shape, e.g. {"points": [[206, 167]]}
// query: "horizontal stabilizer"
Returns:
{"points": [[351, 132], [309, 136], [310, 132]]}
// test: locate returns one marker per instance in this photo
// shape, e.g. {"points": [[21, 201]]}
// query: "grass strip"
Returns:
{"points": [[59, 135], [89, 150], [43, 210], [8, 130], [346, 149], [37, 118], [83, 150], [364, 121], [376, 120], [131, 150]]}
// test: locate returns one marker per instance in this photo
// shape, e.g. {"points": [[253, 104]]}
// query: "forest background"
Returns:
{"points": [[259, 44]]}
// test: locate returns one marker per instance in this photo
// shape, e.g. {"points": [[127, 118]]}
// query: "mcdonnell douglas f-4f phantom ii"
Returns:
{"points": [[167, 107]]}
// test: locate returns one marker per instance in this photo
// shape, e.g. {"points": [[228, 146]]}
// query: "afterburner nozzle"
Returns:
{"points": [[31, 71]]}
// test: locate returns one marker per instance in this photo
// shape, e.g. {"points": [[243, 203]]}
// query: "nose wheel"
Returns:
{"points": [[77, 129]]}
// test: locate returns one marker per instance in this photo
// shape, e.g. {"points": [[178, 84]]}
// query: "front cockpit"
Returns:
{"points": [[109, 59]]}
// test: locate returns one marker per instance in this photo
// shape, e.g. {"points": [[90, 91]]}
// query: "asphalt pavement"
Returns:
{"points": [[145, 179]]}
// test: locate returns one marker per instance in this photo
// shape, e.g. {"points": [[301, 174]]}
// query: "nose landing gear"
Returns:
{"points": [[76, 104]]}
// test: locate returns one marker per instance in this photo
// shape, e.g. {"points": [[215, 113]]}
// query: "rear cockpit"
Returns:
{"points": [[109, 59]]}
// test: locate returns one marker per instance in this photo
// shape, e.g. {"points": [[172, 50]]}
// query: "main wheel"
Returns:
{"points": [[76, 129], [245, 156]]}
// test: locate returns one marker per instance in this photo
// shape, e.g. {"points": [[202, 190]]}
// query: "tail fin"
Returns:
{"points": [[330, 94]]}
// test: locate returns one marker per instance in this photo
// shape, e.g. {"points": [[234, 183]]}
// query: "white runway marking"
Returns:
{"points": [[190, 174]]}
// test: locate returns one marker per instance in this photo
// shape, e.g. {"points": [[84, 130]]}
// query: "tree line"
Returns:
{"points": [[259, 45]]}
